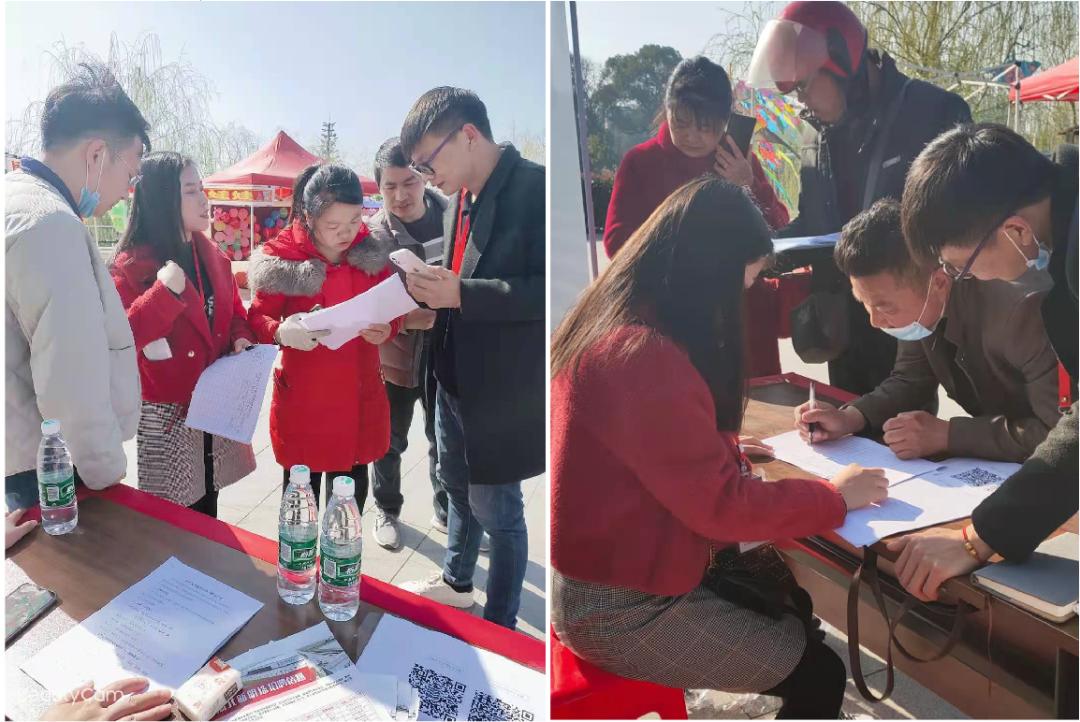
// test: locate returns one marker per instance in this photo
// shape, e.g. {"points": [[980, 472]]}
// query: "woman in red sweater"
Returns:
{"points": [[648, 479], [185, 313], [692, 142]]}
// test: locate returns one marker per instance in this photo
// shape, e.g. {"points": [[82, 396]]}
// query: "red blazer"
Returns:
{"points": [[651, 171], [642, 483], [156, 312], [329, 408]]}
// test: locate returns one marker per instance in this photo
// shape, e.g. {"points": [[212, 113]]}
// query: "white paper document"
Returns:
{"points": [[229, 395], [827, 458], [344, 695], [454, 680], [345, 321], [163, 627], [940, 496]]}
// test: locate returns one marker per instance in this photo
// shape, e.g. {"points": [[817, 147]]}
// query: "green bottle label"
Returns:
{"points": [[296, 556], [340, 571], [57, 492]]}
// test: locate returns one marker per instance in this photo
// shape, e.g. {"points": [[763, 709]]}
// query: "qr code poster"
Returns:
{"points": [[978, 477], [451, 679]]}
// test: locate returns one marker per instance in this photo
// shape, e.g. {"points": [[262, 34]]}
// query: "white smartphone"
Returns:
{"points": [[407, 261]]}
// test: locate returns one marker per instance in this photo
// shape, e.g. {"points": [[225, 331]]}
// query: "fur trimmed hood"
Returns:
{"points": [[290, 264]]}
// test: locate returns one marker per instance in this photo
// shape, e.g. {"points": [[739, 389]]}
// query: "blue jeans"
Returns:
{"points": [[498, 509], [21, 490]]}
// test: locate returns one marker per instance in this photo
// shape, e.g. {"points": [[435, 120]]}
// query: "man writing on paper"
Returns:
{"points": [[984, 343]]}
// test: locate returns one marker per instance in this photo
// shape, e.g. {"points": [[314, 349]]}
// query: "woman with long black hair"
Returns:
{"points": [[185, 313], [648, 479]]}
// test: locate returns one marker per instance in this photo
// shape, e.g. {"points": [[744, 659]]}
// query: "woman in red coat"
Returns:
{"points": [[185, 313], [648, 478], [330, 410], [692, 142]]}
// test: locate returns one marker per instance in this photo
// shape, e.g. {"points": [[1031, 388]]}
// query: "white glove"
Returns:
{"points": [[158, 350], [173, 277], [292, 333]]}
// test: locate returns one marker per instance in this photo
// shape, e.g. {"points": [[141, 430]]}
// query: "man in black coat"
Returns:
{"points": [[871, 122], [489, 342], [990, 206]]}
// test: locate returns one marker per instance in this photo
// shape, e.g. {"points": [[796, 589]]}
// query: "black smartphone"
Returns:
{"points": [[741, 129], [25, 604]]}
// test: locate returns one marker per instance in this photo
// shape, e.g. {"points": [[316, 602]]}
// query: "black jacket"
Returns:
{"points": [[1039, 498], [498, 339], [834, 175]]}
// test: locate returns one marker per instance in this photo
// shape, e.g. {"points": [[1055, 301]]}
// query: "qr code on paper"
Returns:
{"points": [[486, 707], [978, 477], [440, 696]]}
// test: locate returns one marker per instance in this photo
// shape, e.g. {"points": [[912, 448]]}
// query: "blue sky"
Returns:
{"points": [[292, 65]]}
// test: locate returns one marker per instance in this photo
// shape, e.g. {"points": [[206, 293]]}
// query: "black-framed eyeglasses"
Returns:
{"points": [[965, 273], [424, 167]]}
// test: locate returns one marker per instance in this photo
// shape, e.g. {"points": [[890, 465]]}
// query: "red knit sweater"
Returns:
{"points": [[651, 171], [642, 483]]}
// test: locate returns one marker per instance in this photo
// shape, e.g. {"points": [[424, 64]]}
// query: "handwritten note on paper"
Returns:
{"points": [[229, 395], [381, 304], [164, 627], [827, 458]]}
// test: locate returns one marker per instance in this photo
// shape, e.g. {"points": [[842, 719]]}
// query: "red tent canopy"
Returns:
{"points": [[275, 164], [1057, 83]]}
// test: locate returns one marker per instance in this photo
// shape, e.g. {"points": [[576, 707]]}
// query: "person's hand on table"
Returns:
{"points": [[13, 530], [930, 557], [376, 334], [832, 423], [861, 487], [241, 344], [436, 287], [912, 434], [420, 319], [732, 165], [121, 700], [753, 446]]}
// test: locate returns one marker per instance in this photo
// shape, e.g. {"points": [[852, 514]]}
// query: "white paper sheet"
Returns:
{"points": [[455, 681], [827, 458], [164, 627], [344, 695], [381, 304], [938, 497], [229, 395]]}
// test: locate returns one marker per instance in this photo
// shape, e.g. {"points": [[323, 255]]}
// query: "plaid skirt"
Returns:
{"points": [[170, 456], [696, 640]]}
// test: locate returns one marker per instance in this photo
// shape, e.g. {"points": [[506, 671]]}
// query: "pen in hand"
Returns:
{"points": [[812, 426]]}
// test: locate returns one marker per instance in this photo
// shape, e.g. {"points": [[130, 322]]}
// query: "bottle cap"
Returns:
{"points": [[300, 474], [344, 486], [50, 427]]}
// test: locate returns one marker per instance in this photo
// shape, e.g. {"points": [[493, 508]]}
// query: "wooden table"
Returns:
{"points": [[1009, 662], [124, 534]]}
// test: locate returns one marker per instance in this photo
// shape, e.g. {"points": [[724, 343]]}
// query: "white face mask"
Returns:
{"points": [[915, 331], [1042, 258]]}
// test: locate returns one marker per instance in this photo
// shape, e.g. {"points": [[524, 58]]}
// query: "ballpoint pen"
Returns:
{"points": [[812, 426]]}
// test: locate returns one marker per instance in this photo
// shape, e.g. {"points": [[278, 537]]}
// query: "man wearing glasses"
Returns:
{"points": [[70, 352], [488, 346], [984, 343], [988, 206]]}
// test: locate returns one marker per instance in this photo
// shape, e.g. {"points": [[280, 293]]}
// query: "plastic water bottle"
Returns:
{"points": [[298, 529], [339, 554], [56, 482]]}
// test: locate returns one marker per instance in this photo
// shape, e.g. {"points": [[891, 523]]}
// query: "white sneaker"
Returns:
{"points": [[387, 530], [437, 590], [437, 524]]}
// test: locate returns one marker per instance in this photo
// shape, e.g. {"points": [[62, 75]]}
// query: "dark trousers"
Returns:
{"points": [[386, 481], [815, 688], [358, 474], [208, 503]]}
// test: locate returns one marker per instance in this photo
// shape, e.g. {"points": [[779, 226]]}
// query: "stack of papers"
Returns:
{"points": [[922, 493], [164, 627], [345, 321]]}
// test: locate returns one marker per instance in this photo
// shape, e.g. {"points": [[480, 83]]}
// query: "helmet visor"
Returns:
{"points": [[787, 54]]}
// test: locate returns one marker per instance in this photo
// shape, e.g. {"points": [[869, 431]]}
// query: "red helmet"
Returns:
{"points": [[808, 36]]}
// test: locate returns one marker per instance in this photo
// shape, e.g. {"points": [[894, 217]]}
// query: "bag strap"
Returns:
{"points": [[868, 570], [879, 148]]}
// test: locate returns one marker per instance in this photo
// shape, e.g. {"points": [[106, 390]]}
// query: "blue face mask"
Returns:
{"points": [[88, 200], [1041, 259], [914, 331]]}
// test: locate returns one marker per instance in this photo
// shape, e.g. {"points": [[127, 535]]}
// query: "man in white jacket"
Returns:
{"points": [[70, 352]]}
